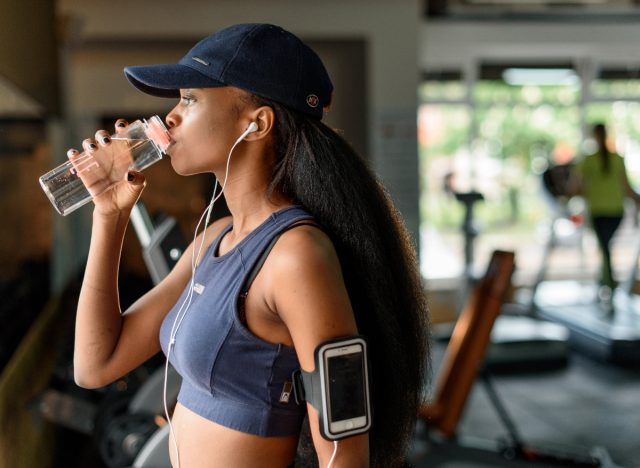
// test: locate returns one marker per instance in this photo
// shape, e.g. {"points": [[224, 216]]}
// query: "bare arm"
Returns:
{"points": [[98, 319], [109, 343], [311, 298], [104, 348]]}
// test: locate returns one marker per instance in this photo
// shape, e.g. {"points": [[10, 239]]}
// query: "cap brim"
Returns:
{"points": [[167, 80]]}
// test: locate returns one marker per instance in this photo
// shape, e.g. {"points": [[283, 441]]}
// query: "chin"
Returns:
{"points": [[183, 170], [178, 168]]}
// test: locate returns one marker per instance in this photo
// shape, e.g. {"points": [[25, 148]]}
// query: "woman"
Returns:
{"points": [[602, 179], [341, 263]]}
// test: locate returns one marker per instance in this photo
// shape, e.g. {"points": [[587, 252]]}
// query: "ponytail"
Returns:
{"points": [[319, 170], [600, 132]]}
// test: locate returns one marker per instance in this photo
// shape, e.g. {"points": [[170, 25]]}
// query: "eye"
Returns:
{"points": [[187, 98]]}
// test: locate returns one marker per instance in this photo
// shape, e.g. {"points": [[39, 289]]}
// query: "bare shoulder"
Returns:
{"points": [[305, 249], [306, 290]]}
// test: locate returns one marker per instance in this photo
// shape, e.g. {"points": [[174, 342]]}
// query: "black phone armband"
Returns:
{"points": [[338, 388]]}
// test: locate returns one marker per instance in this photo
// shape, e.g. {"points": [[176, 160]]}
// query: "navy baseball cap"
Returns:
{"points": [[263, 59]]}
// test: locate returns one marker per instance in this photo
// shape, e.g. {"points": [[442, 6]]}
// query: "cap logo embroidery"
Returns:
{"points": [[199, 60], [312, 100]]}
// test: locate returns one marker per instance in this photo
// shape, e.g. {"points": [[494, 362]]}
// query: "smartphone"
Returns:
{"points": [[344, 386]]}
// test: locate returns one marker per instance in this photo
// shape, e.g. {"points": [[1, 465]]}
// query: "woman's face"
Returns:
{"points": [[204, 126]]}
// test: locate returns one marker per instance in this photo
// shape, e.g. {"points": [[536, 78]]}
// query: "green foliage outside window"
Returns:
{"points": [[498, 139], [518, 132]]}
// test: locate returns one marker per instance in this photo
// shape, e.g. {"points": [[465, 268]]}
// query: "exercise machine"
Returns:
{"points": [[520, 341], [469, 229], [462, 364], [608, 330]]}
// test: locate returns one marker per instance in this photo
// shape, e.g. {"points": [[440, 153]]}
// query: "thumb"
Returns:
{"points": [[135, 178], [135, 183]]}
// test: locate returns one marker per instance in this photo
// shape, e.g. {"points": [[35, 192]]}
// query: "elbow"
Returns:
{"points": [[87, 379]]}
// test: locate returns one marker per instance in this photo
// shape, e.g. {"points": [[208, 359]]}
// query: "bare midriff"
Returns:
{"points": [[205, 444]]}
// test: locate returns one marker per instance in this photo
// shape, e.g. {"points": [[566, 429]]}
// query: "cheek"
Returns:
{"points": [[193, 130], [206, 144]]}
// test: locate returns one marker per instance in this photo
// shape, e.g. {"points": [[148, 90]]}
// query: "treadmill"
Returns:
{"points": [[607, 330]]}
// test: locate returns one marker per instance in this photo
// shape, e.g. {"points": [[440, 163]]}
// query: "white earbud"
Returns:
{"points": [[252, 127]]}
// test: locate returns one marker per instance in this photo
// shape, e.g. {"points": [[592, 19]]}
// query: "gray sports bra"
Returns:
{"points": [[229, 375]]}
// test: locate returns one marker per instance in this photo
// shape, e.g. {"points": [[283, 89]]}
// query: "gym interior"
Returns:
{"points": [[472, 112]]}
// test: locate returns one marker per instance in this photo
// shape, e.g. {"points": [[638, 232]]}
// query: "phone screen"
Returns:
{"points": [[346, 386]]}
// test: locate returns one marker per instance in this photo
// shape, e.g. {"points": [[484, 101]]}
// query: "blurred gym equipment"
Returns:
{"points": [[520, 341], [461, 366], [468, 227], [604, 328]]}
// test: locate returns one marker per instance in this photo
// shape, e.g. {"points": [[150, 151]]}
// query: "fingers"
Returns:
{"points": [[94, 149], [87, 168], [78, 160], [102, 138], [121, 125], [100, 164], [83, 162], [90, 145]]}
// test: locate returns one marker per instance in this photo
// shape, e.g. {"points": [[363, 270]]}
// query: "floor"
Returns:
{"points": [[585, 406]]}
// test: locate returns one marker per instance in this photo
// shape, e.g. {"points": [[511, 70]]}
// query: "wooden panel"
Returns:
{"points": [[26, 441]]}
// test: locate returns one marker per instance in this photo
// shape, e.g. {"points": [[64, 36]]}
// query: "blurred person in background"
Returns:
{"points": [[601, 178]]}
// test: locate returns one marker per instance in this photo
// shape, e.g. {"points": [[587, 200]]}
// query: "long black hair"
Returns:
{"points": [[318, 169]]}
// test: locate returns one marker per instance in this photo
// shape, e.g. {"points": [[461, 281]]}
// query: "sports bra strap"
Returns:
{"points": [[263, 256]]}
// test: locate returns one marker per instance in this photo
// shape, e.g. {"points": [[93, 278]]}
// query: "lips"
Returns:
{"points": [[170, 147]]}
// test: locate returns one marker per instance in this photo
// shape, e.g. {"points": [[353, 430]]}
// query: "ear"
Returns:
{"points": [[264, 117]]}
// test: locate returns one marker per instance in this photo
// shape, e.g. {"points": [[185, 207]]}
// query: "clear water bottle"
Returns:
{"points": [[88, 174]]}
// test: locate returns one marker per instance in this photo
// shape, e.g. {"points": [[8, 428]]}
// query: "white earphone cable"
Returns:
{"points": [[335, 451], [195, 258]]}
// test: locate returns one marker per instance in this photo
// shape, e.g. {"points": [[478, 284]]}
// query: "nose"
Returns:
{"points": [[172, 119]]}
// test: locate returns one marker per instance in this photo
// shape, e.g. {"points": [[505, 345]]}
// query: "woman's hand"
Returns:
{"points": [[102, 167]]}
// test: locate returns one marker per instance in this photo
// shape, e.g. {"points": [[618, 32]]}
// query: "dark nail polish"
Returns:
{"points": [[92, 146], [130, 176], [120, 124], [106, 139]]}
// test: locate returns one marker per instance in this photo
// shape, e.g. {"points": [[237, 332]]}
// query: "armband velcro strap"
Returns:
{"points": [[306, 387]]}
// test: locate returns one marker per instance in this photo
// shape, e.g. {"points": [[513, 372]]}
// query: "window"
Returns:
{"points": [[497, 135]]}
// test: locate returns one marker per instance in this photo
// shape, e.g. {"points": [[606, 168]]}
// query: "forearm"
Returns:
{"points": [[352, 452], [98, 319]]}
